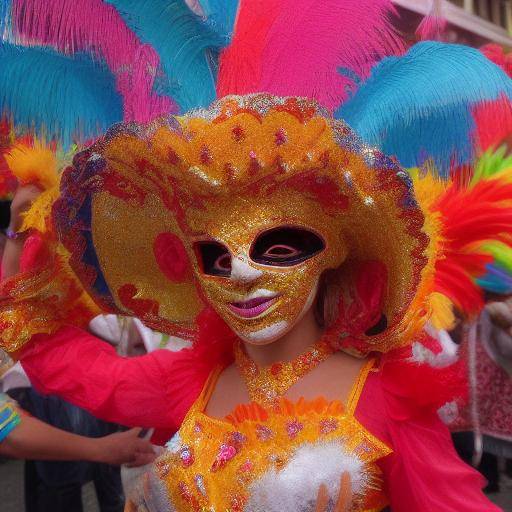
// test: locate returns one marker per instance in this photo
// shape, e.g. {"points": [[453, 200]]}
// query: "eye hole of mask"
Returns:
{"points": [[286, 246], [214, 259]]}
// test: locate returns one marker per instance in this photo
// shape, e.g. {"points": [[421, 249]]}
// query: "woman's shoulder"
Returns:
{"points": [[399, 390]]}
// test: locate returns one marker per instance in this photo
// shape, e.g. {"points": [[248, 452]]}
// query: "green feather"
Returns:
{"points": [[491, 163]]}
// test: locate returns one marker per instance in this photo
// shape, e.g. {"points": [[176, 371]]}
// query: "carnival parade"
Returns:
{"points": [[256, 256]]}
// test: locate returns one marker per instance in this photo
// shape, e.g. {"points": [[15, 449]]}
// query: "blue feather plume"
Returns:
{"points": [[5, 8], [220, 16], [187, 45], [494, 285], [419, 106], [59, 97]]}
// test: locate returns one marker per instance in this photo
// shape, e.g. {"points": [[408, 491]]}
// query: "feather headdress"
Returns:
{"points": [[68, 73], [180, 55], [470, 227], [135, 59], [56, 96], [420, 107], [97, 29]]}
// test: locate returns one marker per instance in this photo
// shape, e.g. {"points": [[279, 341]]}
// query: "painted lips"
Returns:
{"points": [[253, 307]]}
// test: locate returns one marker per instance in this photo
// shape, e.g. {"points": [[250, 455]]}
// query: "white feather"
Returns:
{"points": [[295, 487], [447, 356]]}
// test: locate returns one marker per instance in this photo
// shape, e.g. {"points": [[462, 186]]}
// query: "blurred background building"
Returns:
{"points": [[472, 22]]}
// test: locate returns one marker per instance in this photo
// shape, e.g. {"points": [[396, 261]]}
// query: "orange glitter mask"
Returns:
{"points": [[137, 205], [262, 300]]}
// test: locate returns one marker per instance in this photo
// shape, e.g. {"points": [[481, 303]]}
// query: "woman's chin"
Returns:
{"points": [[265, 335]]}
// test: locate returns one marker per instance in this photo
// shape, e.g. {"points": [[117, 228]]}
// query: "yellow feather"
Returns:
{"points": [[35, 164], [427, 188], [38, 215], [441, 311]]}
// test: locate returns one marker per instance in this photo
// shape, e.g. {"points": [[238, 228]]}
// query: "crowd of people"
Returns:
{"points": [[259, 254]]}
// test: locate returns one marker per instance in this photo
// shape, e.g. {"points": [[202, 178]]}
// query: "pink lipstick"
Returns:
{"points": [[253, 307]]}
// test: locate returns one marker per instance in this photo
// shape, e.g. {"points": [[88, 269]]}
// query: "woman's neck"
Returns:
{"points": [[290, 346]]}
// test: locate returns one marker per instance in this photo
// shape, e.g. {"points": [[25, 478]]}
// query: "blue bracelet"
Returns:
{"points": [[9, 420]]}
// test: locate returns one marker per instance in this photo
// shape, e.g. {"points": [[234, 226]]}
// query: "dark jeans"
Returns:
{"points": [[464, 444], [57, 486], [40, 497]]}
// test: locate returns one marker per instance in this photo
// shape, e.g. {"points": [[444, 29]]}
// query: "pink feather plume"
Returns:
{"points": [[433, 26], [96, 27], [297, 47], [493, 119]]}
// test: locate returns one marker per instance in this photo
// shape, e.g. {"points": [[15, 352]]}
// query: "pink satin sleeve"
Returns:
{"points": [[424, 473], [154, 390]]}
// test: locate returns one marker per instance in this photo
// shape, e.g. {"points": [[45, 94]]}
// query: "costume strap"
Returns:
{"points": [[208, 389], [357, 387]]}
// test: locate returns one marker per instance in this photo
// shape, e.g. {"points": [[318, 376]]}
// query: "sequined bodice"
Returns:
{"points": [[257, 460]]}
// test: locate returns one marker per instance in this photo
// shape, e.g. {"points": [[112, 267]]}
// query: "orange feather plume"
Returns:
{"points": [[469, 217]]}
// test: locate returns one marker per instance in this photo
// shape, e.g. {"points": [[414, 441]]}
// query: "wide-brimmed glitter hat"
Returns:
{"points": [[297, 83], [129, 203]]}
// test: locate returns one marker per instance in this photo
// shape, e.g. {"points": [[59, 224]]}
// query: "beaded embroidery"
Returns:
{"points": [[267, 384], [237, 452]]}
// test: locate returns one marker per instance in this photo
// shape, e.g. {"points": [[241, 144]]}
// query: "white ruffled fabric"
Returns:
{"points": [[295, 487]]}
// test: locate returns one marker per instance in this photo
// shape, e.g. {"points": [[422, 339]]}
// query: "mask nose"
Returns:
{"points": [[242, 271]]}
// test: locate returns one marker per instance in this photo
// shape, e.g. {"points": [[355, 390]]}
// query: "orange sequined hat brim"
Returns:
{"points": [[123, 205]]}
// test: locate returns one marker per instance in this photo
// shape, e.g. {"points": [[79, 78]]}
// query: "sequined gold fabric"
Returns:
{"points": [[211, 463], [256, 161], [128, 258], [42, 301], [235, 220], [267, 384]]}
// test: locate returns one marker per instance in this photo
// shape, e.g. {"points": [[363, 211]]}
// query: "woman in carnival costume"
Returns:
{"points": [[294, 255]]}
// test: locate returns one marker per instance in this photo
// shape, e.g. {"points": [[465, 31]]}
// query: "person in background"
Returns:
{"points": [[483, 431], [55, 482], [22, 436]]}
